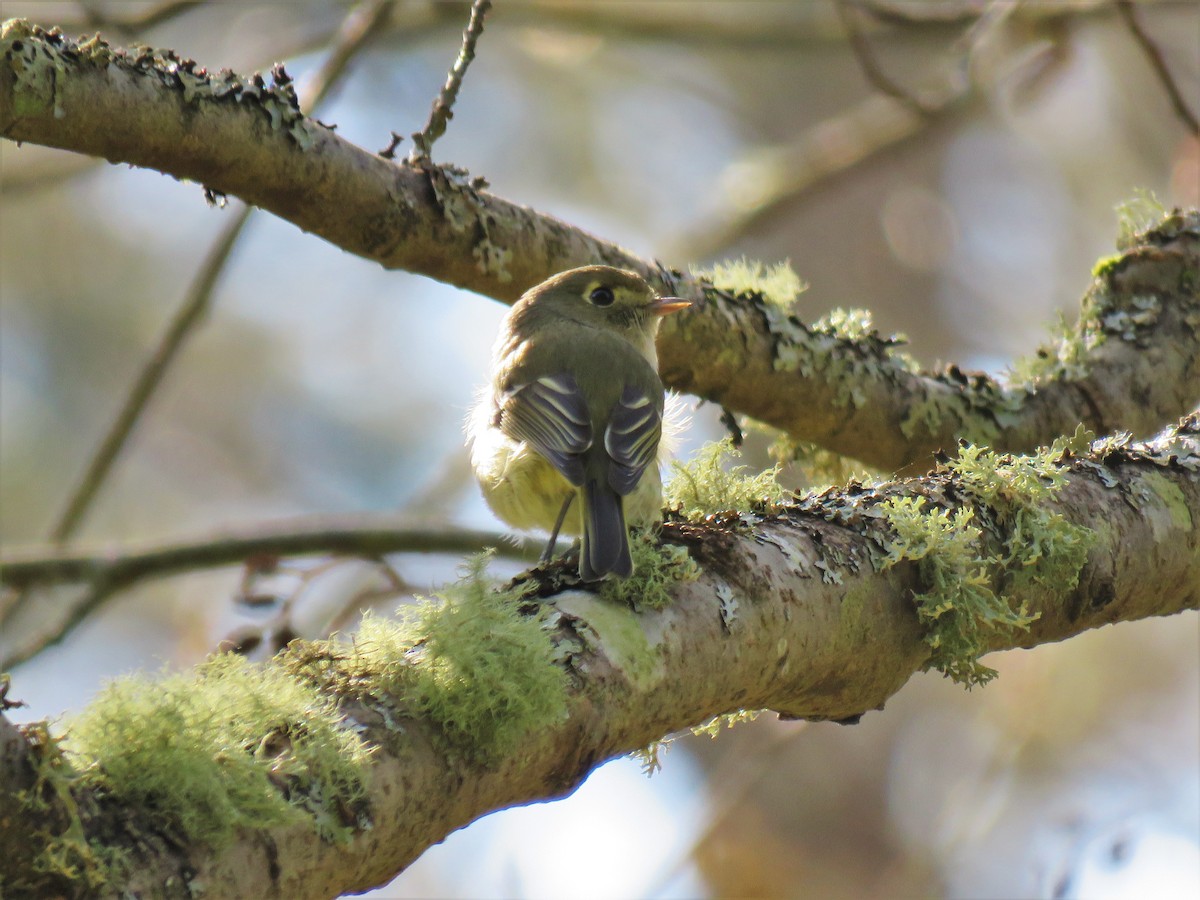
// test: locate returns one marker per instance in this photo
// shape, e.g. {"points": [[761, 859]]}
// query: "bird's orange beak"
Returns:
{"points": [[663, 306]]}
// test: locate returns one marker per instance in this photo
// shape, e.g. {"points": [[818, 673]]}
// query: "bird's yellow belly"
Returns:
{"points": [[527, 493]]}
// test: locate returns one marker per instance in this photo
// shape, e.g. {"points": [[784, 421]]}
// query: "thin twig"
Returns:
{"points": [[443, 106], [834, 146], [124, 564], [870, 66], [357, 27], [189, 314], [1155, 57], [108, 570], [356, 30], [921, 14], [829, 149]]}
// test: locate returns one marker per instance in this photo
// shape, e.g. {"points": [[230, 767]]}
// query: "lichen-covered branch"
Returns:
{"points": [[1129, 363], [246, 138], [847, 391], [819, 609]]}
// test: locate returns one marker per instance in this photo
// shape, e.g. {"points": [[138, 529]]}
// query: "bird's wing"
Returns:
{"points": [[550, 414], [631, 439]]}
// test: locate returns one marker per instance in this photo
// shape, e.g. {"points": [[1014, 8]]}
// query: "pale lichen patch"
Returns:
{"points": [[457, 196], [619, 634]]}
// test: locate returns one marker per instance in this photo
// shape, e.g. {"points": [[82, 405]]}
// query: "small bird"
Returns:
{"points": [[575, 411]]}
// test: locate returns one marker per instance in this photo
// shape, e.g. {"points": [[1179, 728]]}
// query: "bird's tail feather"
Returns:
{"points": [[604, 548]]}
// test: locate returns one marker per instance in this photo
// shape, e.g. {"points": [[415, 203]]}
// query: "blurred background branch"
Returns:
{"points": [[762, 185], [148, 16], [1155, 57], [104, 572], [359, 26], [882, 82]]}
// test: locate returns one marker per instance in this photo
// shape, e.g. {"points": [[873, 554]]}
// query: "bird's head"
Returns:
{"points": [[604, 297]]}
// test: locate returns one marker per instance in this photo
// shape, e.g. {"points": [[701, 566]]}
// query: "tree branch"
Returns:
{"points": [[443, 104], [142, 21], [106, 571], [1155, 58], [851, 395], [871, 68], [122, 565], [788, 613]]}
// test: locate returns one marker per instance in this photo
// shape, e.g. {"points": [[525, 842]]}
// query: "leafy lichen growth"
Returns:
{"points": [[472, 661], [705, 486], [847, 324], [960, 606], [984, 572], [1065, 356], [716, 724], [650, 756], [230, 745], [656, 567], [777, 284]]}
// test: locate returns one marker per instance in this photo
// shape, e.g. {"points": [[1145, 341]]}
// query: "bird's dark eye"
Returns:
{"points": [[601, 296]]}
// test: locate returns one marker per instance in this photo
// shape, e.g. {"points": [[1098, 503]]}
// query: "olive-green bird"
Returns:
{"points": [[575, 410]]}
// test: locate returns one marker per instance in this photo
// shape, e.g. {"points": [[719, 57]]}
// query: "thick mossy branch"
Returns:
{"points": [[864, 398], [471, 660], [485, 700], [230, 745]]}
